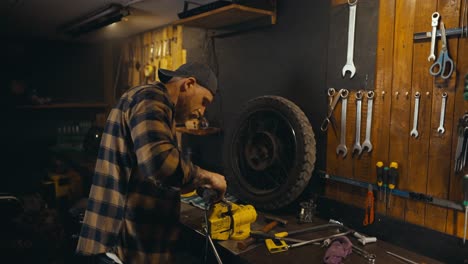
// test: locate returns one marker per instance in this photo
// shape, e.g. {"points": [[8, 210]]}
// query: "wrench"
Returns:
{"points": [[349, 66], [401, 258], [435, 22], [370, 257], [331, 106], [357, 144], [441, 128], [344, 104], [367, 143], [414, 133]]}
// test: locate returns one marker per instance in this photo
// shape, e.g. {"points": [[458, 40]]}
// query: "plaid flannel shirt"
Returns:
{"points": [[134, 202]]}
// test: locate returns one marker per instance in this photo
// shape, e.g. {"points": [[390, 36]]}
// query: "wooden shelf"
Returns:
{"points": [[63, 106], [199, 132], [226, 16]]}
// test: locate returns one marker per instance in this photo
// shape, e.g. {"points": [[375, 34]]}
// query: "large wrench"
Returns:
{"points": [[441, 128], [367, 143], [357, 144], [435, 22], [349, 66], [344, 104], [414, 133]]}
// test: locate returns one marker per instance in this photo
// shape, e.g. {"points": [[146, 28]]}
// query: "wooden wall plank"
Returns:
{"points": [[400, 124], [384, 71], [440, 144], [422, 83], [455, 220]]}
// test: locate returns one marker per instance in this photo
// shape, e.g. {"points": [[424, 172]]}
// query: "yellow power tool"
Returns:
{"points": [[231, 221]]}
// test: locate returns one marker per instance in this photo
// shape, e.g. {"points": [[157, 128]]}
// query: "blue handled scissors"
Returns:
{"points": [[444, 61]]}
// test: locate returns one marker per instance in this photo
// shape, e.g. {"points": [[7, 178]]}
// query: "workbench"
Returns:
{"points": [[193, 217]]}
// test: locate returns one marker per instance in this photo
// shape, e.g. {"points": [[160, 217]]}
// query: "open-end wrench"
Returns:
{"points": [[349, 66], [357, 144], [367, 143], [331, 107], [344, 104], [414, 133], [435, 22], [370, 257], [441, 128], [401, 258]]}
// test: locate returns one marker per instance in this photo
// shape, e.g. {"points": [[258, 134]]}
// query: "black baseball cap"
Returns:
{"points": [[201, 72]]}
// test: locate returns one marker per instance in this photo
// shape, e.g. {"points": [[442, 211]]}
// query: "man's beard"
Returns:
{"points": [[184, 112]]}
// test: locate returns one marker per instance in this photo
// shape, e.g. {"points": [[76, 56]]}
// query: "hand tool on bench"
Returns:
{"points": [[344, 104], [434, 23], [367, 143], [401, 258], [444, 62], [369, 207], [363, 253], [364, 239], [380, 171], [392, 180], [465, 204], [275, 246], [273, 222], [277, 242], [357, 143], [349, 66]]}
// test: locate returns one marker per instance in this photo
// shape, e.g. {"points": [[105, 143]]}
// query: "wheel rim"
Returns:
{"points": [[264, 148]]}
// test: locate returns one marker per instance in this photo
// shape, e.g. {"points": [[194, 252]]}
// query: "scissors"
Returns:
{"points": [[444, 60]]}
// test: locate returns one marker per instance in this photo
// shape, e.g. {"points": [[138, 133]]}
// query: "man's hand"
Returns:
{"points": [[211, 180]]}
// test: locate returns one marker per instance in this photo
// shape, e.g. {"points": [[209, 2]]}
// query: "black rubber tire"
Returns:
{"points": [[297, 175]]}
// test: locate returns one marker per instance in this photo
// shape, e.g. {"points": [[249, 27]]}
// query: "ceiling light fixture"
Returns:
{"points": [[95, 20]]}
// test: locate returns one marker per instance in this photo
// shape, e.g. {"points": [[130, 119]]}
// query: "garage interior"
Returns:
{"points": [[332, 120]]}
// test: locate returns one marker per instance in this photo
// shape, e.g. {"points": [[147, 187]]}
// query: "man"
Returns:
{"points": [[134, 202]]}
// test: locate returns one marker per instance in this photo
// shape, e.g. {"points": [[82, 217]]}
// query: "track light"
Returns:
{"points": [[95, 20]]}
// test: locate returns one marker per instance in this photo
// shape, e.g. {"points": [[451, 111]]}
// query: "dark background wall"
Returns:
{"points": [[287, 59], [63, 71]]}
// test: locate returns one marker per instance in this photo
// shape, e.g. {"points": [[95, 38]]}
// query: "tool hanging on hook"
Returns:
{"points": [[349, 66]]}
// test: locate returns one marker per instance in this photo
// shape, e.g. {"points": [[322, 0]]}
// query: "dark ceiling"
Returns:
{"points": [[41, 18]]}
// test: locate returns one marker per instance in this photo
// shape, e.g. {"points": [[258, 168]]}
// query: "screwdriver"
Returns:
{"points": [[379, 166], [465, 203], [369, 211], [392, 179], [385, 182]]}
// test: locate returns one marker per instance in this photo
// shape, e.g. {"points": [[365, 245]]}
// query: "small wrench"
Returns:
{"points": [[367, 143], [344, 104], [370, 257], [331, 107], [349, 66], [435, 22], [441, 128], [414, 133], [357, 144]]}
